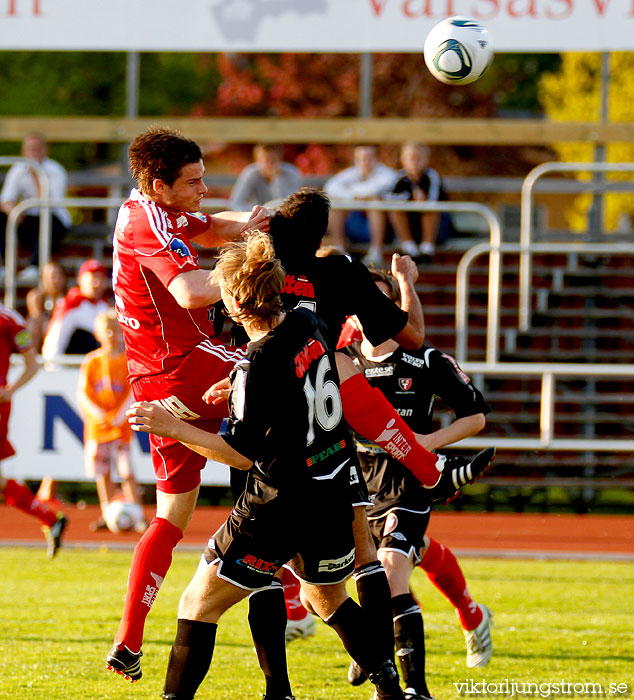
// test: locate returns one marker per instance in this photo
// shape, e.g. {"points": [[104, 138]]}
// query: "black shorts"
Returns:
{"points": [[400, 530], [358, 488], [259, 538]]}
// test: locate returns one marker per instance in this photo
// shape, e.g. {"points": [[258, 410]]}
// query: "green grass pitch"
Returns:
{"points": [[554, 621]]}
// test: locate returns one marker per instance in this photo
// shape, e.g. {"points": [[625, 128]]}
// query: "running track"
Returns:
{"points": [[468, 534]]}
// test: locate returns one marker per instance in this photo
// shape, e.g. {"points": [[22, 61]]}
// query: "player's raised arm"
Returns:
{"points": [[147, 417], [194, 289], [405, 271], [231, 225]]}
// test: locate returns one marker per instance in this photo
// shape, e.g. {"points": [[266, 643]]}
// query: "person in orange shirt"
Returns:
{"points": [[104, 395]]}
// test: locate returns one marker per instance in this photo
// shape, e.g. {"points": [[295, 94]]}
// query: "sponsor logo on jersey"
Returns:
{"points": [[394, 442], [256, 564], [324, 454], [391, 523], [459, 372], [415, 361], [299, 286], [336, 564], [23, 339], [179, 247], [404, 411], [379, 372], [128, 321], [405, 384], [313, 350]]}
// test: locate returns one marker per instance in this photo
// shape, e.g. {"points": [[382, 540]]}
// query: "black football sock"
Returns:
{"points": [[409, 633], [267, 619], [189, 659], [350, 622], [375, 598]]}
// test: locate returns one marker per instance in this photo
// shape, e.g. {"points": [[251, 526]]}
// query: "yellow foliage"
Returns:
{"points": [[574, 94]]}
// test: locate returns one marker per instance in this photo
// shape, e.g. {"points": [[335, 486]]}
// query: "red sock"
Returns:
{"points": [[444, 572], [371, 415], [22, 498], [294, 608], [150, 564]]}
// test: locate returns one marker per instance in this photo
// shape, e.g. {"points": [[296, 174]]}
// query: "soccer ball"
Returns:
{"points": [[458, 50], [122, 516]]}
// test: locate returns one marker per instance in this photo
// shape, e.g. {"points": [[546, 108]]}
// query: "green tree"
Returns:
{"points": [[575, 90]]}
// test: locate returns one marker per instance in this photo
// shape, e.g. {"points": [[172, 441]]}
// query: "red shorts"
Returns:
{"points": [[180, 391], [6, 448]]}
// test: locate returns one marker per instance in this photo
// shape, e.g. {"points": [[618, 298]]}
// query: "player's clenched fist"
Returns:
{"points": [[147, 417]]}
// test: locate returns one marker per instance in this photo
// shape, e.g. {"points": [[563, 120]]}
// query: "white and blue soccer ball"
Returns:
{"points": [[122, 516], [458, 50]]}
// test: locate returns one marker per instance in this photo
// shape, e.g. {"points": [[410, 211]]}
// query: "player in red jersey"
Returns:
{"points": [[15, 338], [162, 299]]}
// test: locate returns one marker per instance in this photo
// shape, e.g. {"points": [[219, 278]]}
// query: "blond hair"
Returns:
{"points": [[253, 276]]}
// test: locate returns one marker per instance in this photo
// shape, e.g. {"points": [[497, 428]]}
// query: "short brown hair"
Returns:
{"points": [[250, 272], [388, 279], [160, 153]]}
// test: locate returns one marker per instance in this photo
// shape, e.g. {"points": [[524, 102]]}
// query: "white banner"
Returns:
{"points": [[308, 25], [46, 431]]}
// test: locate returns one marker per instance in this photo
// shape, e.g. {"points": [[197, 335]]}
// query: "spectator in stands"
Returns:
{"points": [[71, 330], [41, 300], [104, 395], [266, 179], [367, 179], [418, 232], [22, 182]]}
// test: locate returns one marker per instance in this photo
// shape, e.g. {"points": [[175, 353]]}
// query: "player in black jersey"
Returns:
{"points": [[335, 288], [286, 428], [400, 509]]}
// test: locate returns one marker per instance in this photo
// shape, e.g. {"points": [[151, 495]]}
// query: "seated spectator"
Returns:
{"points": [[41, 301], [266, 179], [71, 330], [368, 179], [418, 232], [22, 182]]}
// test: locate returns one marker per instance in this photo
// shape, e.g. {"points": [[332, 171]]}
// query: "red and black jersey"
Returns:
{"points": [[411, 380], [336, 287]]}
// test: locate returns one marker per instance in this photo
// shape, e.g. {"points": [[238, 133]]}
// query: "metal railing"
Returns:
{"points": [[495, 292], [526, 222], [45, 219], [11, 254], [548, 373]]}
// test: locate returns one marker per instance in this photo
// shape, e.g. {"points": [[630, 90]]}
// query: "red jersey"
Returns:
{"points": [[14, 337], [151, 247]]}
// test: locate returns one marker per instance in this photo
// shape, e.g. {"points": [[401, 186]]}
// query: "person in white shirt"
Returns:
{"points": [[368, 179], [22, 182], [267, 179]]}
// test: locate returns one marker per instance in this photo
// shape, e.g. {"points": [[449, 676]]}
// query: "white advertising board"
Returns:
{"points": [[46, 431], [308, 25]]}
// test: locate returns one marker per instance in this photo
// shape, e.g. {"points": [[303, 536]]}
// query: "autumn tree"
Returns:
{"points": [[327, 85], [575, 90]]}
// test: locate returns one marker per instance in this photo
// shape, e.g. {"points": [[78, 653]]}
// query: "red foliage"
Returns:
{"points": [[327, 85]]}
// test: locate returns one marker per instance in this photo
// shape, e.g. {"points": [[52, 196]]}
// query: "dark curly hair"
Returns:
{"points": [[160, 153]]}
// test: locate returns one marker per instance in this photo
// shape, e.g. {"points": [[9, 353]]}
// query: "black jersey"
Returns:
{"points": [[429, 182], [286, 414], [337, 286], [410, 381]]}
